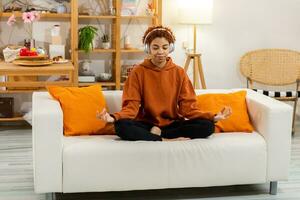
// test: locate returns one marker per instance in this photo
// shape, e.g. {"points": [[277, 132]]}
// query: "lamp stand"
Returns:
{"points": [[197, 65]]}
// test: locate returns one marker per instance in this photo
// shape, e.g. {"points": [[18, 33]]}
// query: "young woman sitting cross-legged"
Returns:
{"points": [[159, 101]]}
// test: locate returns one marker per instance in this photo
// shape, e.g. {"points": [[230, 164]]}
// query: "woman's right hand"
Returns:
{"points": [[104, 116], [223, 114]]}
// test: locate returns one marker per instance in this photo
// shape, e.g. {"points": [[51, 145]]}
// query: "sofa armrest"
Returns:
{"points": [[47, 141], [273, 120]]}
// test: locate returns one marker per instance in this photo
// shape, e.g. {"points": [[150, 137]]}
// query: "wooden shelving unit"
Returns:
{"points": [[72, 72], [100, 51], [17, 117], [8, 69], [96, 17], [116, 51], [138, 17], [52, 16], [132, 50]]}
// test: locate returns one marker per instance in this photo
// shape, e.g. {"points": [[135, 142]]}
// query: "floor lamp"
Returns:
{"points": [[195, 12]]}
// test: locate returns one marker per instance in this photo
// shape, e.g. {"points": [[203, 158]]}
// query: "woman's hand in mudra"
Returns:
{"points": [[104, 116], [223, 114]]}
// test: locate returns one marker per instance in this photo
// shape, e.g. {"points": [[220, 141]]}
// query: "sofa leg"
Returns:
{"points": [[273, 187]]}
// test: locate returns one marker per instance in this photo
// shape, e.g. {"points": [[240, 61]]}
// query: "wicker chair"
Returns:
{"points": [[273, 67]]}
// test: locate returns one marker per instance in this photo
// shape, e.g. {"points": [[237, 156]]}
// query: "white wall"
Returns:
{"points": [[238, 26]]}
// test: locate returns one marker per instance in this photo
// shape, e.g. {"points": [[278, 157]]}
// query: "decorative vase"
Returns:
{"points": [[32, 43], [29, 43], [85, 69], [127, 44], [106, 45], [55, 31], [61, 8]]}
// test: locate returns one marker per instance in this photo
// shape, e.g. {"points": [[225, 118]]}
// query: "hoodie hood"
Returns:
{"points": [[148, 64]]}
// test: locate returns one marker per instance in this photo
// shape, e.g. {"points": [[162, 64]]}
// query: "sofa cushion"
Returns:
{"points": [[79, 107], [106, 163], [238, 121]]}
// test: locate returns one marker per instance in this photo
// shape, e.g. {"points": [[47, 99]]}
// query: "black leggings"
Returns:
{"points": [[128, 129]]}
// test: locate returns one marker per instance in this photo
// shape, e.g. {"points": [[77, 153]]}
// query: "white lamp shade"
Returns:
{"points": [[195, 11]]}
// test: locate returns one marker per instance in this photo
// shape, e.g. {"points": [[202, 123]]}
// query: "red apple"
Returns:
{"points": [[32, 53], [23, 52]]}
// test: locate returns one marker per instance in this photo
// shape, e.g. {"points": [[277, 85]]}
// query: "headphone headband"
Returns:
{"points": [[158, 29]]}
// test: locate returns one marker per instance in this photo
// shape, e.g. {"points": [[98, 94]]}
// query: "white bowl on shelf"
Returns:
{"points": [[104, 76]]}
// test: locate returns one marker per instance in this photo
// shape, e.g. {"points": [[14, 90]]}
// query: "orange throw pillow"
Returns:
{"points": [[79, 107], [238, 121]]}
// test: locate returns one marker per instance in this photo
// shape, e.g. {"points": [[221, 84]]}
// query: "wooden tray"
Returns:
{"points": [[39, 57], [33, 63]]}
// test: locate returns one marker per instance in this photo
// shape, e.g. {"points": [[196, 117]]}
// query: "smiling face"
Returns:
{"points": [[159, 50]]}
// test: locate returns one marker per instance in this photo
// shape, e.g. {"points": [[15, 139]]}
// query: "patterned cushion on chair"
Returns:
{"points": [[278, 93]]}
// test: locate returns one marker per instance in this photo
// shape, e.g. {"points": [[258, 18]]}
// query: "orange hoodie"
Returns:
{"points": [[159, 95]]}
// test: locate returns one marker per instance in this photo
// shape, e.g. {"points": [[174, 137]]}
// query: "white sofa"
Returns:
{"points": [[106, 163]]}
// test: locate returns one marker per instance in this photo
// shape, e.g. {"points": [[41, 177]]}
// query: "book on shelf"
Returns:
{"points": [[86, 79]]}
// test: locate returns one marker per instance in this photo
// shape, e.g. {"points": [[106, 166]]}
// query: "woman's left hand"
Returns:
{"points": [[223, 114]]}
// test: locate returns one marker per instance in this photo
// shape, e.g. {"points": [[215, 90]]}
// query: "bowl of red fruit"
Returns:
{"points": [[30, 54], [31, 58]]}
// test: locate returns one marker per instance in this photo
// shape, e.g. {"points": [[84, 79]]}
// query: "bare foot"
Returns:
{"points": [[155, 130], [176, 139]]}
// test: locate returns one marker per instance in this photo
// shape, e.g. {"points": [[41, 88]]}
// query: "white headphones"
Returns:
{"points": [[146, 45]]}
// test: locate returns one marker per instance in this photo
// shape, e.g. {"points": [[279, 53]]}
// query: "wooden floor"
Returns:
{"points": [[16, 178]]}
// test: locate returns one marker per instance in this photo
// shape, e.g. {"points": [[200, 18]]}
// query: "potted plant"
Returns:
{"points": [[105, 41], [86, 37]]}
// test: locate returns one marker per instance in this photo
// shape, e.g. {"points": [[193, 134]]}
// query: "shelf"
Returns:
{"points": [[96, 17], [132, 51], [9, 69], [137, 17], [17, 117], [95, 83], [99, 51], [43, 15]]}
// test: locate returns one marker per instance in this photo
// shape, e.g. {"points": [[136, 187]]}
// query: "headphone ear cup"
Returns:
{"points": [[146, 48], [172, 47]]}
